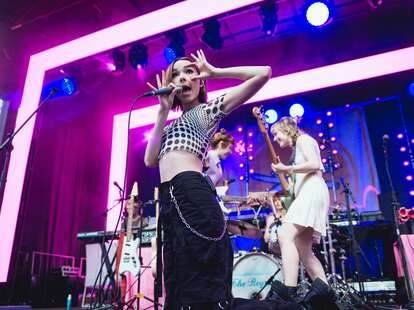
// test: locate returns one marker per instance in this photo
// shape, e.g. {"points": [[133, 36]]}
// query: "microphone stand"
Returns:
{"points": [[7, 145], [355, 248], [408, 278]]}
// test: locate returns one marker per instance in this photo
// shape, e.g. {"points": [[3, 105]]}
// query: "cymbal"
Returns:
{"points": [[241, 228]]}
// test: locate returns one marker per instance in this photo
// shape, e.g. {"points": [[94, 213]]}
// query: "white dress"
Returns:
{"points": [[311, 204]]}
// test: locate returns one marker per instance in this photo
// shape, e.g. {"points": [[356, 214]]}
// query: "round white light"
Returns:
{"points": [[317, 14], [271, 116], [296, 109]]}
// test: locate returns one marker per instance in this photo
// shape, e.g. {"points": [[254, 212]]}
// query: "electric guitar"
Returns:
{"points": [[129, 258], [263, 128]]}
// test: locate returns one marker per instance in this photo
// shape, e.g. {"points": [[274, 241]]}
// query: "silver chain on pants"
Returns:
{"points": [[195, 232]]}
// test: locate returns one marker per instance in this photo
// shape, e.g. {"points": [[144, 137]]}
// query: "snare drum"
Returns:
{"points": [[250, 273]]}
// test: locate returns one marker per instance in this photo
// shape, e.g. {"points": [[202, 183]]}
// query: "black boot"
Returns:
{"points": [[320, 297], [279, 291]]}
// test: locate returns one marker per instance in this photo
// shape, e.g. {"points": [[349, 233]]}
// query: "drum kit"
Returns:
{"points": [[257, 263]]}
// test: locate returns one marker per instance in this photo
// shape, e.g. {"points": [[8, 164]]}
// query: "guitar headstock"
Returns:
{"points": [[261, 122]]}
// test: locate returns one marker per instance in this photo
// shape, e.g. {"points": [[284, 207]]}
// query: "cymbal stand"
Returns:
{"points": [[329, 253]]}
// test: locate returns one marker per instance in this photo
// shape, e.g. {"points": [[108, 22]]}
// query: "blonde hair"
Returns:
{"points": [[202, 95], [289, 126], [222, 136]]}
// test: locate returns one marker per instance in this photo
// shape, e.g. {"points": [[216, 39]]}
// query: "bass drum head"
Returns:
{"points": [[250, 273]]}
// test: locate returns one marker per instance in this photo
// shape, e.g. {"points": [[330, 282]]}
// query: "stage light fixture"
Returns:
{"points": [[138, 55], [296, 109], [211, 34], [175, 48], [118, 57], [271, 116], [63, 87], [375, 4], [411, 88], [318, 13], [269, 10]]}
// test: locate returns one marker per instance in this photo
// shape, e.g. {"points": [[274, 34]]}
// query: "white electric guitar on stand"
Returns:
{"points": [[129, 257]]}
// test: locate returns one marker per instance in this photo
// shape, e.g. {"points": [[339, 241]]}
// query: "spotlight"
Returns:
{"points": [[411, 88], [296, 109], [138, 55], [119, 60], [63, 87], [271, 116], [175, 48], [211, 34], [318, 13], [268, 11]]}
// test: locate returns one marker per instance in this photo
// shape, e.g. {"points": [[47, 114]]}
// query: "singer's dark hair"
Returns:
{"points": [[202, 95]]}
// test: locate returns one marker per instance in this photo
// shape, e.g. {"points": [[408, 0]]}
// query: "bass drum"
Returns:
{"points": [[250, 273]]}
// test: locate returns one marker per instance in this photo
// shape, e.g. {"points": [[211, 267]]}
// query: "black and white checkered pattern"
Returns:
{"points": [[194, 129]]}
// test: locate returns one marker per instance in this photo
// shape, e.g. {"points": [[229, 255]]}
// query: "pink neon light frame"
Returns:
{"points": [[120, 34], [148, 25]]}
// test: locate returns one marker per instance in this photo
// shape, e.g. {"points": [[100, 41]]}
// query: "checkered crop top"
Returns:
{"points": [[194, 129]]}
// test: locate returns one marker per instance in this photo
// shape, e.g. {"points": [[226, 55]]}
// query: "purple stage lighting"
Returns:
{"points": [[320, 135], [400, 136], [403, 149], [409, 177], [405, 163], [331, 125], [318, 121], [329, 113]]}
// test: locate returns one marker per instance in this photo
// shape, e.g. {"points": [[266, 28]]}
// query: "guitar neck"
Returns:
{"points": [[129, 234], [275, 160]]}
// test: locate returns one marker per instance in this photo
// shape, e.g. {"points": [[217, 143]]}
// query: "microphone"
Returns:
{"points": [[163, 91], [118, 186], [385, 140]]}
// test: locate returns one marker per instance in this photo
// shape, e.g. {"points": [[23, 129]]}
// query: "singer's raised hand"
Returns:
{"points": [[166, 101], [204, 67]]}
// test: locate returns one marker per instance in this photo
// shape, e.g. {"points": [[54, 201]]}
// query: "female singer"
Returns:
{"points": [[197, 251]]}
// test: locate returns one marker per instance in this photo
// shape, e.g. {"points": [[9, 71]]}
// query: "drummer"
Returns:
{"points": [[274, 219]]}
